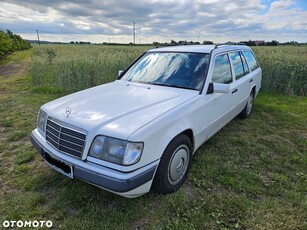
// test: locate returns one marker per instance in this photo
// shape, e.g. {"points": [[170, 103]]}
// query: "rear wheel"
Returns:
{"points": [[248, 107], [174, 165]]}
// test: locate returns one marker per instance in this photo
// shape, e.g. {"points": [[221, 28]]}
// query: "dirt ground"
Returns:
{"points": [[9, 69], [13, 68]]}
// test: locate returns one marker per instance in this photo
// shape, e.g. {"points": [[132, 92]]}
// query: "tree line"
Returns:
{"points": [[10, 42]]}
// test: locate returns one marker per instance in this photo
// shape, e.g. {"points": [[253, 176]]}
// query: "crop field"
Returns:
{"points": [[284, 69], [69, 68], [251, 175]]}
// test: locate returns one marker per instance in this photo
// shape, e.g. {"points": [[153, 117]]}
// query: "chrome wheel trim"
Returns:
{"points": [[249, 104], [178, 164]]}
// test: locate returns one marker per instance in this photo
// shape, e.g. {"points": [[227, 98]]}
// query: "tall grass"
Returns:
{"points": [[284, 69], [67, 68]]}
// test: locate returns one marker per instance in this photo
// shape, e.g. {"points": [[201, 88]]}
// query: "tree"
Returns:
{"points": [[207, 42], [272, 43], [6, 44], [249, 43], [9, 42]]}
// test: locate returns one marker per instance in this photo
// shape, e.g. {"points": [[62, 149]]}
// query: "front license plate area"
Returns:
{"points": [[59, 165]]}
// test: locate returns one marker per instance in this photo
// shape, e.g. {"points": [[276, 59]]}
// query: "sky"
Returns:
{"points": [[99, 21]]}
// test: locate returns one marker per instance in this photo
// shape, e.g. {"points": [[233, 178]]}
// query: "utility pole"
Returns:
{"points": [[133, 32], [37, 37]]}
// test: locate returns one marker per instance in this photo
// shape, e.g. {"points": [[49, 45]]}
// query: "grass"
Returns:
{"points": [[250, 175], [16, 57], [68, 68], [284, 69]]}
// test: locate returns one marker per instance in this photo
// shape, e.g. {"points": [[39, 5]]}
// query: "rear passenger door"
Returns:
{"points": [[243, 78]]}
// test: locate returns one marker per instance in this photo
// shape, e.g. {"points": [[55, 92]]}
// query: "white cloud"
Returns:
{"points": [[282, 16], [156, 20]]}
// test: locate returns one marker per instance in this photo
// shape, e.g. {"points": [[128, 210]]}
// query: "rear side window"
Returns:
{"points": [[253, 64], [237, 64], [222, 70]]}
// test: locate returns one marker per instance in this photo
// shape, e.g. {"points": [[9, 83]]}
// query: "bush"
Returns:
{"points": [[10, 42]]}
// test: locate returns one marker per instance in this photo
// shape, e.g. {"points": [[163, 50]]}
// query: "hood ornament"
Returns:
{"points": [[68, 111]]}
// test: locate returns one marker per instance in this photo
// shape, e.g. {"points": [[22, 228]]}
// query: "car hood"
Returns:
{"points": [[118, 108]]}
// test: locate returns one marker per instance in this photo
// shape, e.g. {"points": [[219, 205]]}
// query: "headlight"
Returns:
{"points": [[116, 151], [41, 121]]}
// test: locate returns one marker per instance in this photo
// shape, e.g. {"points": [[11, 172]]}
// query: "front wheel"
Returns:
{"points": [[248, 107], [174, 165]]}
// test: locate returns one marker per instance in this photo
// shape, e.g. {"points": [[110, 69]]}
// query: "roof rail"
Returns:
{"points": [[229, 43], [170, 44]]}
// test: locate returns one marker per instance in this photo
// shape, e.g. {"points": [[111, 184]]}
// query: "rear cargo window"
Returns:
{"points": [[246, 69]]}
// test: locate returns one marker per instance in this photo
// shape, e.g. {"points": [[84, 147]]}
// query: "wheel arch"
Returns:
{"points": [[254, 90], [160, 133], [190, 135], [188, 132], [165, 171]]}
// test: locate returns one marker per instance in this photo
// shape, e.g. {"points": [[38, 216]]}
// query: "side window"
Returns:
{"points": [[253, 64], [237, 64], [222, 70], [246, 69]]}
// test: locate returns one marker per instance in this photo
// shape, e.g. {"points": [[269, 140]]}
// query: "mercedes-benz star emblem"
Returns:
{"points": [[68, 111]]}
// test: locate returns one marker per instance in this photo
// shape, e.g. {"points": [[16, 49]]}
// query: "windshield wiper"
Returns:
{"points": [[163, 84], [170, 85]]}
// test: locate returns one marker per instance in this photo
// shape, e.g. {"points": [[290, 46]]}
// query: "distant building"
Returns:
{"points": [[254, 43], [259, 42]]}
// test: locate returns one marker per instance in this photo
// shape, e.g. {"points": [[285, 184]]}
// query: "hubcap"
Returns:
{"points": [[250, 103], [178, 164]]}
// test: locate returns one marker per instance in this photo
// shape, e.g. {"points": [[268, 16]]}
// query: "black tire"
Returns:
{"points": [[248, 107], [174, 165]]}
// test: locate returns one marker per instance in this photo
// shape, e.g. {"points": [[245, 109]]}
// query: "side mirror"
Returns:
{"points": [[218, 88], [119, 73]]}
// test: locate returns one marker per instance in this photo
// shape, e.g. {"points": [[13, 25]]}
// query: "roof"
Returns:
{"points": [[197, 48]]}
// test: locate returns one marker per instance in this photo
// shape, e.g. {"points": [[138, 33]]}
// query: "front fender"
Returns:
{"points": [[160, 132]]}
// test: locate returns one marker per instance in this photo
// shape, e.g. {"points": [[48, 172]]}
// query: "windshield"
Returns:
{"points": [[183, 70]]}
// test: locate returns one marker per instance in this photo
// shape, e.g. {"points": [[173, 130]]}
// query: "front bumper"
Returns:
{"points": [[127, 184]]}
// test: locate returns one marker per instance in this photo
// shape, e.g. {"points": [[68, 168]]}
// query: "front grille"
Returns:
{"points": [[65, 139]]}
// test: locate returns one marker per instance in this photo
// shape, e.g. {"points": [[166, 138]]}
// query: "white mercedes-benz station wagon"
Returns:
{"points": [[140, 131]]}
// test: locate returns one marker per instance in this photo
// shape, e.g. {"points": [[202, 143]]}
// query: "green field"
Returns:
{"points": [[67, 68], [284, 69], [250, 175], [72, 67]]}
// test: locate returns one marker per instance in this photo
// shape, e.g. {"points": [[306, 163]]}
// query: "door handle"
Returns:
{"points": [[234, 91], [251, 80]]}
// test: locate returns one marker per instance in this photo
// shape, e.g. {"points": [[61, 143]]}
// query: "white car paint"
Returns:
{"points": [[151, 114]]}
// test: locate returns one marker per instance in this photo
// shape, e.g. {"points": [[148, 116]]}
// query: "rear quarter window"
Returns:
{"points": [[251, 60]]}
